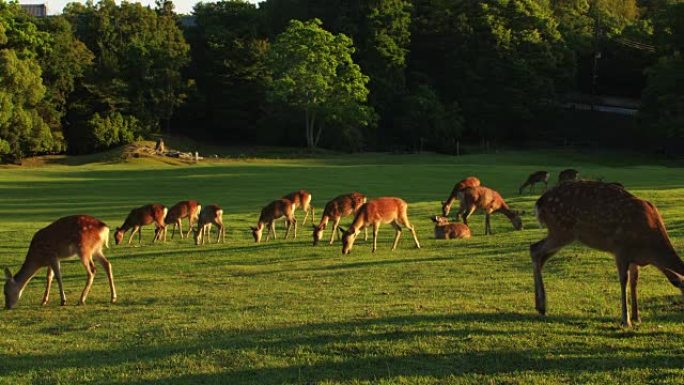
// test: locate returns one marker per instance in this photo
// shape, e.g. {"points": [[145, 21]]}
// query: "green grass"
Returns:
{"points": [[453, 312]]}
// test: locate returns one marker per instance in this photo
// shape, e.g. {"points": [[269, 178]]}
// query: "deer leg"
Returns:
{"points": [[405, 222], [488, 230], [293, 222], [336, 224], [467, 213], [540, 253], [376, 227], [173, 231], [58, 274], [289, 225], [272, 225], [130, 238], [187, 234], [48, 283], [623, 275], [397, 234], [633, 280], [306, 215], [219, 229], [365, 236], [98, 256], [86, 259], [140, 236]]}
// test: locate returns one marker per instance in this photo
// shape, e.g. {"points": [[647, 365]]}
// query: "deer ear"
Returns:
{"points": [[433, 218], [8, 274]]}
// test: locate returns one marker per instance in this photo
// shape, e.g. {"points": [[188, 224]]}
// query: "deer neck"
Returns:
{"points": [[24, 275], [324, 221], [506, 211]]}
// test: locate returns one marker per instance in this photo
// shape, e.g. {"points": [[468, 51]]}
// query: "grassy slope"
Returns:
{"points": [[285, 312]]}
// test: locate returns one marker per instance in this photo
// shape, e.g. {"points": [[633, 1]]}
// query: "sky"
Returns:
{"points": [[56, 6]]}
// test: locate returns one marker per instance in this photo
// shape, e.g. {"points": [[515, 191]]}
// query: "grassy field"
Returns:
{"points": [[284, 312]]}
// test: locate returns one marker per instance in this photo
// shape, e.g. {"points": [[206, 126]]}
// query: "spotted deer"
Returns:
{"points": [[447, 230], [210, 215], [568, 175], [143, 216], [607, 218], [78, 235], [342, 206], [489, 201], [470, 181], [534, 178], [275, 210], [374, 213], [185, 209], [302, 198]]}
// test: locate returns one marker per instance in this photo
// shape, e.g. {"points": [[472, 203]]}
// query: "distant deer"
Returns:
{"points": [[534, 178], [185, 209], [568, 175], [470, 181], [342, 206], [80, 235], [210, 215], [446, 230], [373, 213], [607, 218], [143, 216], [275, 210], [302, 198], [489, 201]]}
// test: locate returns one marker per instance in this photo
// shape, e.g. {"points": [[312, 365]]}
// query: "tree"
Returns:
{"points": [[313, 71]]}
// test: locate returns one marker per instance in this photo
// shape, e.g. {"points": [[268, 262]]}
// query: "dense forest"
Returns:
{"points": [[349, 75]]}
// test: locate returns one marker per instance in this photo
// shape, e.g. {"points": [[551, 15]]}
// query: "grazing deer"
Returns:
{"points": [[470, 181], [568, 175], [185, 209], [66, 237], [375, 212], [143, 216], [342, 206], [534, 178], [489, 201], [446, 230], [608, 218], [302, 198], [275, 210], [210, 215]]}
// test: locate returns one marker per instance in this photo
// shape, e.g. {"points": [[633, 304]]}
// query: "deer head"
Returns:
{"points": [[318, 233], [257, 232], [12, 290]]}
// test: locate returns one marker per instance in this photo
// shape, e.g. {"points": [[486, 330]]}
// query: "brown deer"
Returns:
{"points": [[446, 230], [470, 181], [80, 235], [143, 216], [534, 178], [210, 215], [275, 210], [607, 218], [489, 201], [568, 175], [185, 209], [302, 198], [375, 212], [342, 206]]}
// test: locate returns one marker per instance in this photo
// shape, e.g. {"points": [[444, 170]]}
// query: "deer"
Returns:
{"points": [[341, 206], [470, 181], [568, 175], [489, 201], [446, 230], [77, 235], [275, 210], [374, 213], [608, 218], [302, 198], [143, 216], [534, 178], [210, 215], [185, 209]]}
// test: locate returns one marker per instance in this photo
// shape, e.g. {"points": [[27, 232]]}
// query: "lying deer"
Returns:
{"points": [[302, 198], [275, 210], [375, 212], [342, 206], [143, 216], [185, 209], [489, 201], [534, 178], [446, 230], [470, 181], [80, 235], [210, 215], [608, 218], [568, 175]]}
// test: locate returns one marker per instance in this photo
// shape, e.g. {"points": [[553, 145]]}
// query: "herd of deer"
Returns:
{"points": [[600, 215]]}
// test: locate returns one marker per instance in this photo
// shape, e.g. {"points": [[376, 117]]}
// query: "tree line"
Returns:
{"points": [[348, 75]]}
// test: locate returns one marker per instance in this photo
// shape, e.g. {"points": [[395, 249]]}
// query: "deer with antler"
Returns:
{"points": [[341, 206], [605, 217], [80, 235], [470, 181], [489, 201]]}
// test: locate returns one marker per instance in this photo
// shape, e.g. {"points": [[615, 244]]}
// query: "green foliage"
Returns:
{"points": [[113, 129], [313, 71]]}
